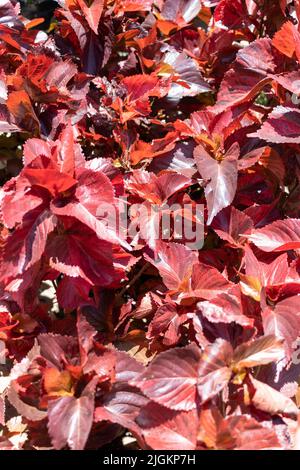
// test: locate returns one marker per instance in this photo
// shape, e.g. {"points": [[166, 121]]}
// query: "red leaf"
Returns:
{"points": [[133, 5], [19, 105], [281, 235], [70, 154], [33, 148], [27, 245], [72, 292], [164, 429], [248, 76], [182, 273], [178, 11], [54, 181], [70, 420], [175, 264], [287, 40], [230, 224], [259, 352], [140, 87], [221, 176], [79, 253], [121, 406], [189, 80], [207, 282], [127, 368], [261, 274], [248, 434], [166, 323], [231, 13], [144, 150], [37, 239], [15, 203], [213, 372], [235, 432], [92, 12], [271, 401], [171, 378], [156, 189], [281, 127], [27, 411], [283, 321], [226, 307], [85, 216]]}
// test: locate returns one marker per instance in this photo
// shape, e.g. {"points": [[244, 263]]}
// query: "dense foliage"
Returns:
{"points": [[193, 102]]}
